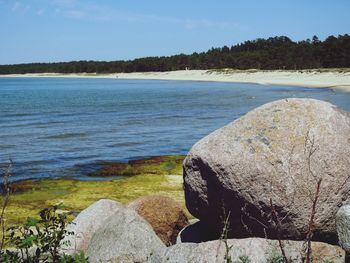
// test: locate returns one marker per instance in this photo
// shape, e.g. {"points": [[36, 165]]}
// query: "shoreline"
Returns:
{"points": [[158, 175], [323, 78]]}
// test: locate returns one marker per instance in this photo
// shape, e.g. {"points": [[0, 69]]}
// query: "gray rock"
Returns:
{"points": [[343, 227], [276, 152], [178, 253], [125, 237], [258, 250], [87, 222]]}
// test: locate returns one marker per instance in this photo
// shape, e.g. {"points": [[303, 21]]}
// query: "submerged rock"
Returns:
{"points": [[274, 154], [257, 250], [167, 164], [164, 215], [87, 222], [125, 237]]}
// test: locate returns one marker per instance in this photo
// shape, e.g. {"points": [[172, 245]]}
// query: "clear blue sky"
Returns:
{"points": [[65, 30]]}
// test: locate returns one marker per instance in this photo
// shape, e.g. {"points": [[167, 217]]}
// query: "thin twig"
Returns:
{"points": [[278, 225], [224, 235], [311, 223]]}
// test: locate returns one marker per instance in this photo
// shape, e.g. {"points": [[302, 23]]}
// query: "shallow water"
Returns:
{"points": [[53, 127]]}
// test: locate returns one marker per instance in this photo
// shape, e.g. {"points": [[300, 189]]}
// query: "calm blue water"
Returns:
{"points": [[54, 127]]}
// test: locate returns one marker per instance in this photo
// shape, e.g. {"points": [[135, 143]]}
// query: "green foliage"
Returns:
{"points": [[40, 240], [224, 236], [5, 191], [327, 261], [275, 259], [278, 52], [76, 258], [243, 259]]}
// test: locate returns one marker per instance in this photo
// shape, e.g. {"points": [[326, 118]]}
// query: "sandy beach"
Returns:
{"points": [[335, 79]]}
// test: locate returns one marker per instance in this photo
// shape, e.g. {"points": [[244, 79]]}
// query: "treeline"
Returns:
{"points": [[278, 52]]}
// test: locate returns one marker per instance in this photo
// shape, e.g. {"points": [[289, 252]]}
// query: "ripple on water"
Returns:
{"points": [[7, 146], [124, 144], [11, 115], [66, 135]]}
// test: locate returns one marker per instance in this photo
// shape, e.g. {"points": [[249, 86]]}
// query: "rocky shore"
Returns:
{"points": [[272, 186]]}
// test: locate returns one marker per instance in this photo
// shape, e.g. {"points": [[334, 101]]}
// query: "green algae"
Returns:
{"points": [[157, 175], [154, 165]]}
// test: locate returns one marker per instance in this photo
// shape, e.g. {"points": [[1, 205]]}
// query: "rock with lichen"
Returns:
{"points": [[272, 158]]}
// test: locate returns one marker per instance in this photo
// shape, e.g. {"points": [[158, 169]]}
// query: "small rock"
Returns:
{"points": [[343, 227], [125, 237], [87, 222], [164, 215]]}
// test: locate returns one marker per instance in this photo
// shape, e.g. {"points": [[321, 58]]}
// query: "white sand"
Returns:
{"points": [[305, 78]]}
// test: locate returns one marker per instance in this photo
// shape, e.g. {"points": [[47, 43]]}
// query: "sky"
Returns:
{"points": [[66, 30]]}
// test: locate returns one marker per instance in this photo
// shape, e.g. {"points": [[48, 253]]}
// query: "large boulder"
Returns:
{"points": [[275, 154], [343, 227], [164, 215], [87, 222], [125, 237], [257, 250]]}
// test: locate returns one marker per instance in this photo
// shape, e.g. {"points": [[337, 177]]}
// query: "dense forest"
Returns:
{"points": [[278, 52]]}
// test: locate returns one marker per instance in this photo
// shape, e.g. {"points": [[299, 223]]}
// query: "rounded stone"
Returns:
{"points": [[86, 224], [275, 154], [164, 214], [343, 227], [124, 237]]}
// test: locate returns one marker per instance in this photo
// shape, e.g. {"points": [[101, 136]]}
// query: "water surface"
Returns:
{"points": [[54, 127]]}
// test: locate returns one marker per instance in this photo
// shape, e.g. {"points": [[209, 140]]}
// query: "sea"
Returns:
{"points": [[69, 127]]}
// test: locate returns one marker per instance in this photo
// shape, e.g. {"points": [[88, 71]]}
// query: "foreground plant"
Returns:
{"points": [[5, 192], [243, 259], [224, 235], [40, 240], [275, 258]]}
